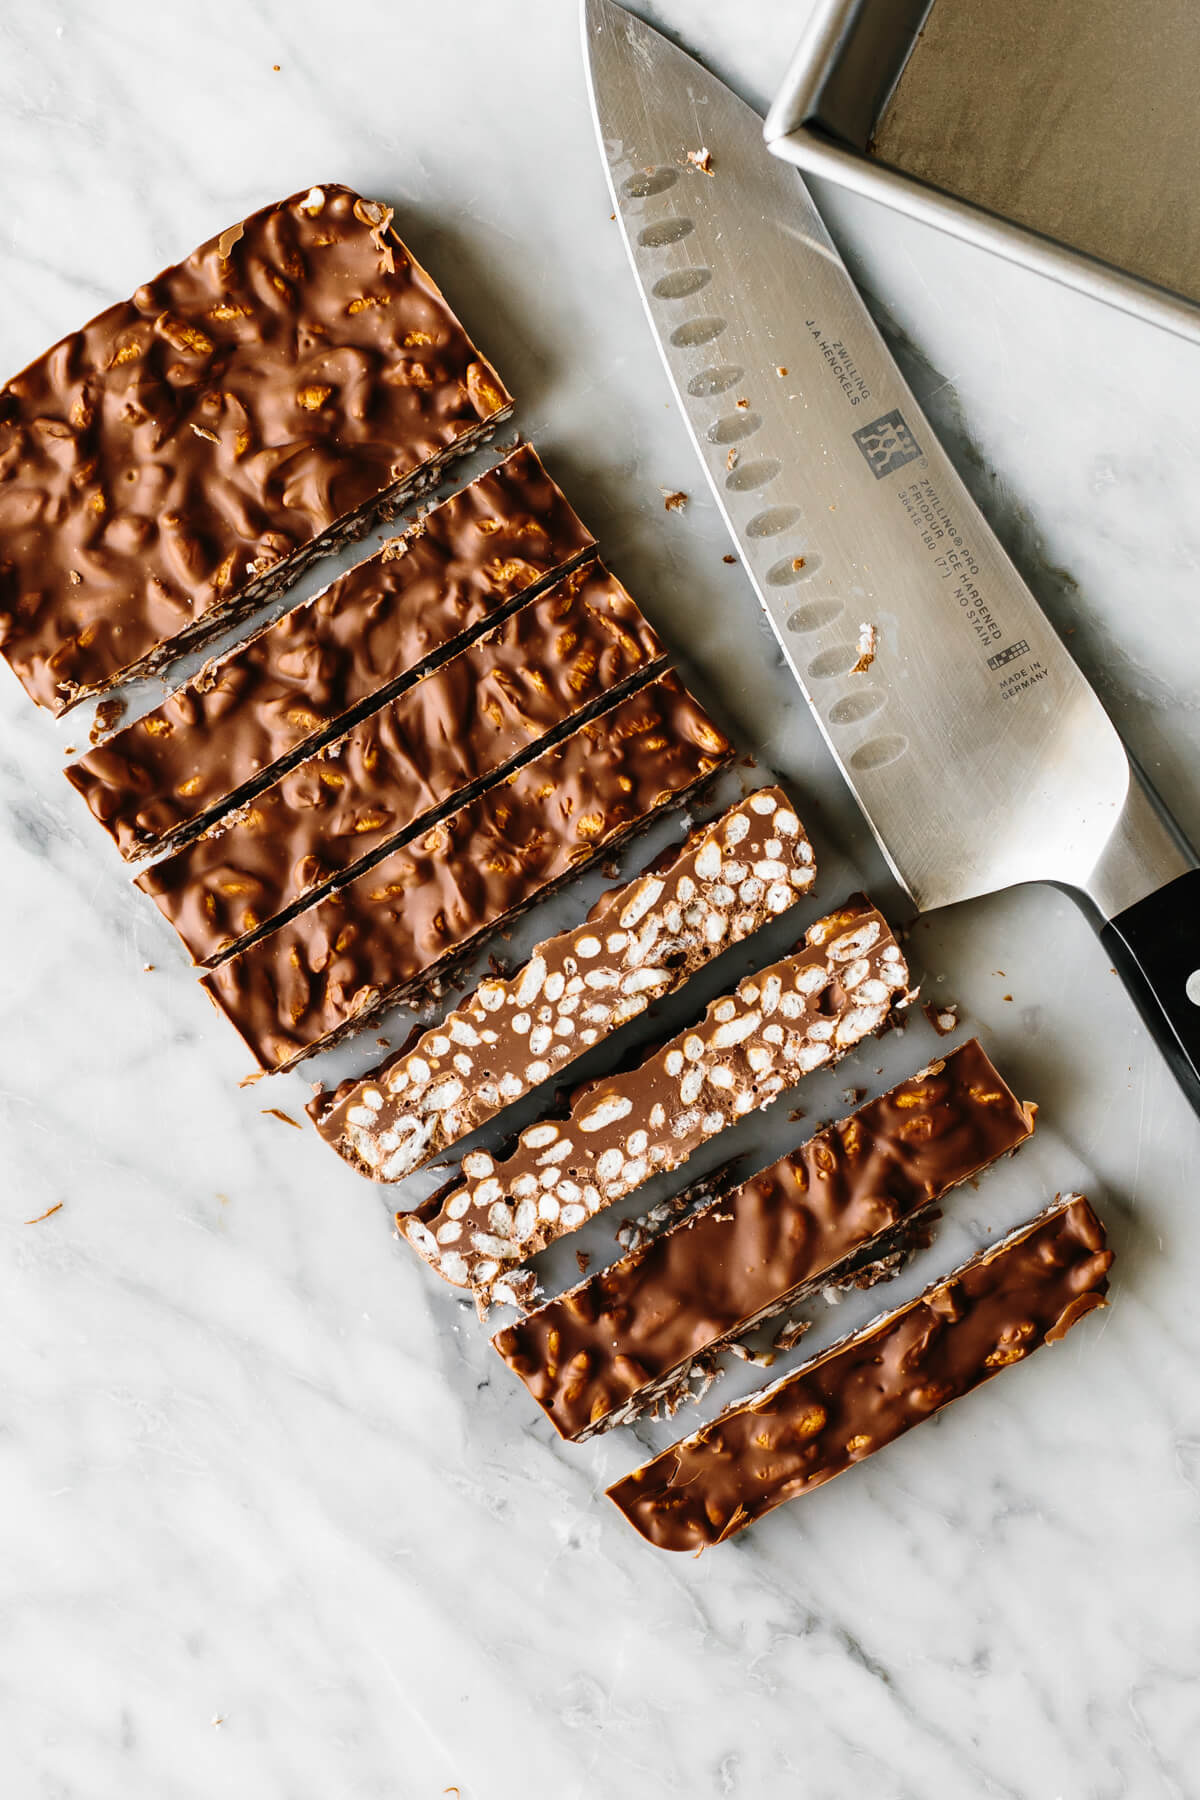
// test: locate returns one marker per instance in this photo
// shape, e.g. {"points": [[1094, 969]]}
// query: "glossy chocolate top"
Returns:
{"points": [[873, 1386], [288, 686], [777, 1025], [158, 462], [547, 662], [585, 1353], [639, 943], [425, 903]]}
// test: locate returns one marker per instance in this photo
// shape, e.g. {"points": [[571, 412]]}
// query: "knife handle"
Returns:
{"points": [[1155, 948]]}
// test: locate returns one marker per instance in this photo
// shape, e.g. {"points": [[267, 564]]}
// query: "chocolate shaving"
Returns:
{"points": [[49, 1212]]}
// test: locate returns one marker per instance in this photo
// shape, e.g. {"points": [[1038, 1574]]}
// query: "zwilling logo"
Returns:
{"points": [[1003, 657], [887, 445]]}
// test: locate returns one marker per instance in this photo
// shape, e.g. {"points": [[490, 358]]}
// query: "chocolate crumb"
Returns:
{"points": [[583, 1258], [762, 1359], [731, 460], [868, 644], [701, 159], [781, 369], [107, 714], [673, 501], [944, 1019], [789, 1335], [728, 558]]}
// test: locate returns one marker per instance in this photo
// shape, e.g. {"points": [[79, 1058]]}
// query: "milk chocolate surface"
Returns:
{"points": [[875, 1385], [750, 1252], [285, 690], [385, 932], [551, 660], [182, 456], [639, 943], [780, 1023]]}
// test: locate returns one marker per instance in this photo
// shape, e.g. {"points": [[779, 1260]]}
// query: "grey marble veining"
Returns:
{"points": [[277, 1523]]}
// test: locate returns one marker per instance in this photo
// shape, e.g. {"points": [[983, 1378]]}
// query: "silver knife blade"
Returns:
{"points": [[974, 745]]}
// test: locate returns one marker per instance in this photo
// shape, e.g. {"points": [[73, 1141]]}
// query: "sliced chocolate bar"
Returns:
{"points": [[386, 933], [639, 943], [845, 1404], [610, 1345], [808, 1010], [182, 457], [549, 663]]}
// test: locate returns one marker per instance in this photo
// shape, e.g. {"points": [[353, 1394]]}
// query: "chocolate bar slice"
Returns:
{"points": [[838, 1408], [552, 661], [182, 457], [639, 943], [611, 1344], [250, 715], [384, 934], [781, 1022]]}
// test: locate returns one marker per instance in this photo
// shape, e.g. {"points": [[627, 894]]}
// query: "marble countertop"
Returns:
{"points": [[276, 1522]]}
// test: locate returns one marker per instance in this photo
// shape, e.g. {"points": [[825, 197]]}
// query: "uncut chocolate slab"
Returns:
{"points": [[280, 694], [549, 663], [387, 932], [182, 457], [612, 1343], [780, 1023], [873, 1386], [639, 943]]}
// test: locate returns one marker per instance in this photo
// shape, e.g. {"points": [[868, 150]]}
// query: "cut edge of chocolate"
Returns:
{"points": [[143, 856], [474, 790]]}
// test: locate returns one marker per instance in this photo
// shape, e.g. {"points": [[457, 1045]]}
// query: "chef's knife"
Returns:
{"points": [[977, 751]]}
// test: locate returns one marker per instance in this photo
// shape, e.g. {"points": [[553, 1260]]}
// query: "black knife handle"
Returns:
{"points": [[1155, 948]]}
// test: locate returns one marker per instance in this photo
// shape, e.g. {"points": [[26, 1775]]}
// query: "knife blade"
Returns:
{"points": [[977, 750]]}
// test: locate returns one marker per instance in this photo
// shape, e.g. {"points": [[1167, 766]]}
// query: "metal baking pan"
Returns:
{"points": [[1097, 91]]}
